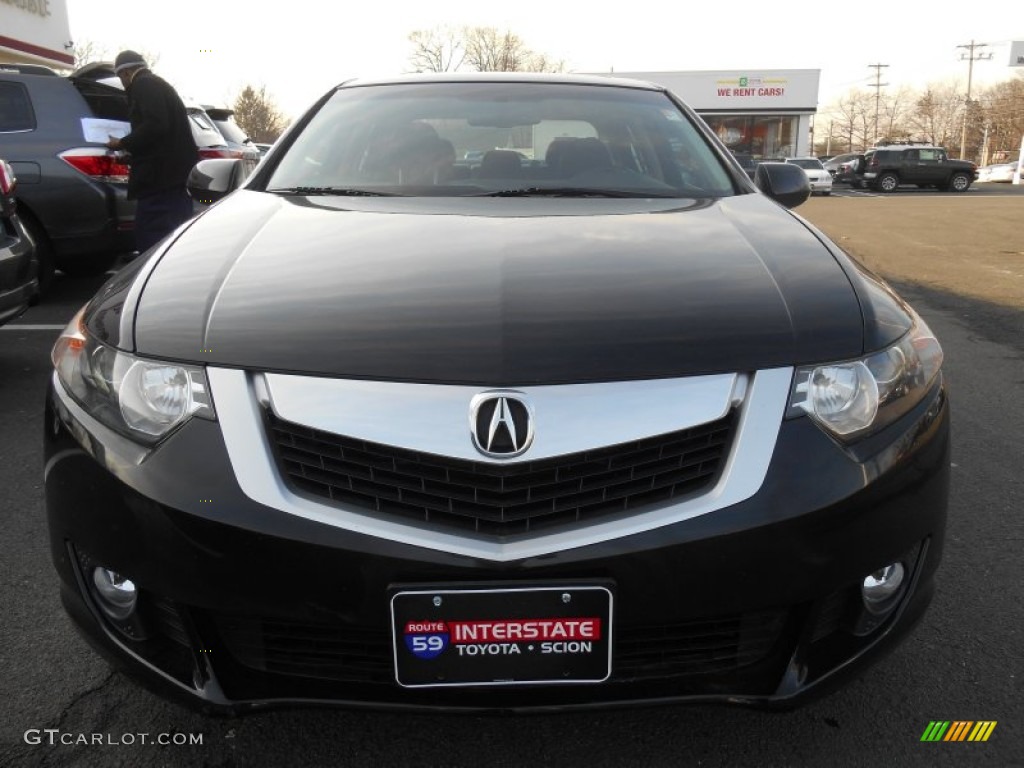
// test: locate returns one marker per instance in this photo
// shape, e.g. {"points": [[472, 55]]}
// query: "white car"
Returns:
{"points": [[1002, 172], [820, 179]]}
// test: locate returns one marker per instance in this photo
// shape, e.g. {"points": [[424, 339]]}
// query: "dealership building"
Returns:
{"points": [[763, 113], [35, 32]]}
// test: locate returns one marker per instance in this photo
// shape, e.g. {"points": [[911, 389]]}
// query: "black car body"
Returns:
{"points": [[886, 168], [72, 192], [18, 267], [379, 428]]}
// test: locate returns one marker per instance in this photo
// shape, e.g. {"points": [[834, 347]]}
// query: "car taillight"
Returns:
{"points": [[7, 180], [208, 152], [99, 164]]}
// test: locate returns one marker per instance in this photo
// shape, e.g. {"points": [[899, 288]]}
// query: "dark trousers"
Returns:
{"points": [[159, 214]]}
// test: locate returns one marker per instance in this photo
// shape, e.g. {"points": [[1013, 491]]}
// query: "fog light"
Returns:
{"points": [[881, 586], [117, 595]]}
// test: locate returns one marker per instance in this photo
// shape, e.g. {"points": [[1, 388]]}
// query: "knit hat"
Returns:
{"points": [[128, 60]]}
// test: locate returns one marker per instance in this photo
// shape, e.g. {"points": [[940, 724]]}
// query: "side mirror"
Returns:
{"points": [[215, 178], [785, 183]]}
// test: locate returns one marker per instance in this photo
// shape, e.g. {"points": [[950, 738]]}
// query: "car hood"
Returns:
{"points": [[497, 291]]}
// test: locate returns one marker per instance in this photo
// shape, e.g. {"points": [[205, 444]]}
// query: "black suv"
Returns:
{"points": [[71, 193], [887, 167]]}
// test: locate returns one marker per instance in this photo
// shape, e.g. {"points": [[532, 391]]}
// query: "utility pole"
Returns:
{"points": [[970, 57], [878, 91]]}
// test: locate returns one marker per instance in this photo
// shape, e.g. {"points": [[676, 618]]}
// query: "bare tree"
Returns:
{"points": [[540, 62], [89, 51], [488, 50], [441, 49], [1002, 119], [853, 118], [937, 114], [258, 115], [484, 49], [897, 107], [994, 121]]}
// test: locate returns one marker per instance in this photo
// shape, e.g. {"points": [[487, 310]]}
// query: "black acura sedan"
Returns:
{"points": [[592, 420]]}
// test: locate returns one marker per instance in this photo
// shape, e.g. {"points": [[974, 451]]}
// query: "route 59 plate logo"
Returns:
{"points": [[426, 639]]}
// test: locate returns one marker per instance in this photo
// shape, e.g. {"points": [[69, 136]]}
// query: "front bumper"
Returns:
{"points": [[242, 606]]}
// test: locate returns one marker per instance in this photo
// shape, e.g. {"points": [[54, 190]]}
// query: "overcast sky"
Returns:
{"points": [[210, 49]]}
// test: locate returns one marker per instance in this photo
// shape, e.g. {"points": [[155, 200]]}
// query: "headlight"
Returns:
{"points": [[142, 399], [851, 398]]}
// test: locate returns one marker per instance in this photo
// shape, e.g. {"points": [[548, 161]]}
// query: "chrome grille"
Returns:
{"points": [[500, 499]]}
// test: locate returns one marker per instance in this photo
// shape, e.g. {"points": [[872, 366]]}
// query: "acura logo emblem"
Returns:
{"points": [[501, 423]]}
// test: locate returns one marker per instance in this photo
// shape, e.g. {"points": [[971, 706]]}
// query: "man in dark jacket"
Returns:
{"points": [[161, 149]]}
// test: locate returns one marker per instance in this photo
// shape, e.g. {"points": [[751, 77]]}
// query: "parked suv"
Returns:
{"points": [[887, 167], [72, 192], [242, 145], [207, 137]]}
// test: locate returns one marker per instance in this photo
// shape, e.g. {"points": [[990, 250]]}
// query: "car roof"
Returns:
{"points": [[901, 147], [218, 113], [503, 77], [27, 69]]}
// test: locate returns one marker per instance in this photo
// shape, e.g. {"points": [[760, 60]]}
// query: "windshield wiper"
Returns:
{"points": [[340, 191], [573, 192]]}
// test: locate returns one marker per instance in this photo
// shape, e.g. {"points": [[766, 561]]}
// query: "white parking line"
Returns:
{"points": [[16, 327]]}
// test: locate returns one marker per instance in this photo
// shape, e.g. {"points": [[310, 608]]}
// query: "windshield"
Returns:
{"points": [[501, 138], [231, 130], [204, 131]]}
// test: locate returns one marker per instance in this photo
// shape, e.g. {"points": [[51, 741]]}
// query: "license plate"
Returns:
{"points": [[524, 636]]}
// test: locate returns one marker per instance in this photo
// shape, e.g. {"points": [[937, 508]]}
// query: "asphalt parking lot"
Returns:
{"points": [[960, 261]]}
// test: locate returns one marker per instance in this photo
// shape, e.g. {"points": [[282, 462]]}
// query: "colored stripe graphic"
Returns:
{"points": [[958, 730], [982, 730], [935, 731]]}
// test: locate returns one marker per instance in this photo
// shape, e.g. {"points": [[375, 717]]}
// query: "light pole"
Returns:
{"points": [[971, 58], [878, 91]]}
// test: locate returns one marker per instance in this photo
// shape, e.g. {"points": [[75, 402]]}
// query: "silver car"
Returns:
{"points": [[819, 178]]}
